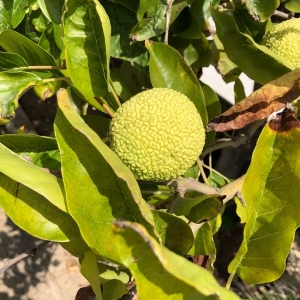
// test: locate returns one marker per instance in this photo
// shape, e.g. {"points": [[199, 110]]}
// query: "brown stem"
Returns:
{"points": [[168, 18], [105, 107]]}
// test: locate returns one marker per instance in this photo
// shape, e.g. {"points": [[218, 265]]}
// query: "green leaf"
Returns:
{"points": [[258, 62], [33, 177], [12, 86], [45, 90], [114, 289], [206, 210], [87, 33], [131, 4], [239, 90], [174, 73], [34, 213], [262, 10], [89, 269], [38, 20], [175, 234], [122, 20], [161, 273], [183, 206], [52, 9], [213, 108], [271, 194], [42, 151], [204, 244], [11, 61], [293, 5], [12, 41], [12, 13], [151, 16], [78, 247], [107, 189]]}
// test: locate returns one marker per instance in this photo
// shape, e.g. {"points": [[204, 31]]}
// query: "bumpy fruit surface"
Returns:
{"points": [[284, 40], [158, 134]]}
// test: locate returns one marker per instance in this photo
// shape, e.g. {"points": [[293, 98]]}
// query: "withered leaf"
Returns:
{"points": [[260, 104]]}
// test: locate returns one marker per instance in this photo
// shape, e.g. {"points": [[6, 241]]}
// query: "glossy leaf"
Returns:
{"points": [[183, 206], [151, 16], [52, 9], [174, 73], [11, 60], [33, 177], [87, 33], [41, 151], [122, 20], [34, 213], [12, 86], [12, 41], [293, 5], [12, 13], [174, 233], [99, 187], [262, 10], [258, 62], [89, 269], [213, 108], [114, 289], [161, 273], [273, 204], [206, 210]]}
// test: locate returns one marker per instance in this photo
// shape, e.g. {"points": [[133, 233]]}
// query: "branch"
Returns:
{"points": [[282, 15], [229, 190], [235, 141], [7, 263], [168, 18]]}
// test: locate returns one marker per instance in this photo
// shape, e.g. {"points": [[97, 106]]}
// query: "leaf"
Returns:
{"points": [[183, 206], [175, 74], [12, 13], [12, 41], [47, 90], [204, 244], [52, 9], [151, 16], [122, 20], [293, 5], [161, 273], [114, 289], [206, 210], [33, 177], [38, 20], [12, 86], [87, 46], [262, 10], [257, 61], [99, 187], [34, 213], [239, 90], [213, 108], [89, 269], [42, 151], [260, 104], [271, 194], [11, 60], [175, 234]]}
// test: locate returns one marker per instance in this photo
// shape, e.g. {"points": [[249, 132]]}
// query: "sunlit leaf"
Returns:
{"points": [[273, 204], [262, 10], [257, 61], [52, 9], [161, 273]]}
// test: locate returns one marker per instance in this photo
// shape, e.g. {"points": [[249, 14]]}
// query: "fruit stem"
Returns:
{"points": [[229, 281], [112, 90], [202, 172], [56, 79], [105, 106]]}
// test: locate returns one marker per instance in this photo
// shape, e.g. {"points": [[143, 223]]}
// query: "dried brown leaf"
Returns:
{"points": [[260, 104]]}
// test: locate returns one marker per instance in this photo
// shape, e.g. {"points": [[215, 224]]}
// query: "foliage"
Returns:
{"points": [[73, 189]]}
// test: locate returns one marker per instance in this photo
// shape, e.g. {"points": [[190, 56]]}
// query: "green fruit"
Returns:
{"points": [[284, 40], [158, 134]]}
